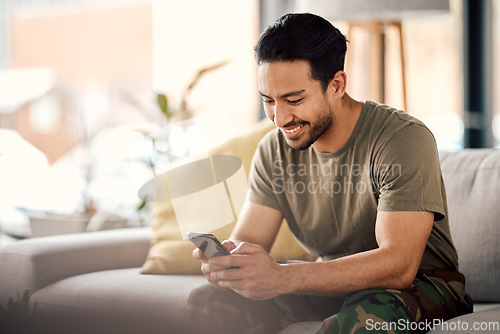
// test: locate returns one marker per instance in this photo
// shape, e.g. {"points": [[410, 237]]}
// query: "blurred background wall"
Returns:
{"points": [[80, 79]]}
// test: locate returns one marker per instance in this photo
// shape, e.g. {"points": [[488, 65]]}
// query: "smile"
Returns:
{"points": [[294, 129]]}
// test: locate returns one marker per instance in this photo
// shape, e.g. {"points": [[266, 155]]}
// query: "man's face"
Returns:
{"points": [[295, 102]]}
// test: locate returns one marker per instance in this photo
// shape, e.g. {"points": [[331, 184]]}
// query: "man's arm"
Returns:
{"points": [[401, 237], [258, 224]]}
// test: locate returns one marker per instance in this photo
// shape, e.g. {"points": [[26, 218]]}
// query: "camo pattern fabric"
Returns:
{"points": [[369, 311], [400, 311]]}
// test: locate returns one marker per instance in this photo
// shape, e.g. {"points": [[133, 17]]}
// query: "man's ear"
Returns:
{"points": [[339, 84]]}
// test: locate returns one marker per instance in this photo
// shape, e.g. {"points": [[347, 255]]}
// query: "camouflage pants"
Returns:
{"points": [[367, 311]]}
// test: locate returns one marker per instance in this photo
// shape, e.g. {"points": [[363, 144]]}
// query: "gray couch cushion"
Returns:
{"points": [[472, 179], [123, 295], [477, 322], [31, 264], [480, 307], [122, 290]]}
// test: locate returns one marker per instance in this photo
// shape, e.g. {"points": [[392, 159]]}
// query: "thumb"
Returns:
{"points": [[229, 245], [245, 248]]}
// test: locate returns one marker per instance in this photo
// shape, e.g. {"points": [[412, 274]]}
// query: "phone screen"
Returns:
{"points": [[208, 243]]}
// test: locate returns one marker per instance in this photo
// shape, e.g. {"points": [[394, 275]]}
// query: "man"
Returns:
{"points": [[360, 186]]}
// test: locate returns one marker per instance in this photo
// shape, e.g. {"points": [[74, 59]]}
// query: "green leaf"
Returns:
{"points": [[142, 205], [163, 104]]}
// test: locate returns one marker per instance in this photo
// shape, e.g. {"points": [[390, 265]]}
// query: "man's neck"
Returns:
{"points": [[346, 114]]}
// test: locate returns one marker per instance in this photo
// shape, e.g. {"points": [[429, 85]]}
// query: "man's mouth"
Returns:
{"points": [[295, 129]]}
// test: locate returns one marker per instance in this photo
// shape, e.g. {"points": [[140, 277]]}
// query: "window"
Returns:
{"points": [[435, 74], [193, 34], [433, 70]]}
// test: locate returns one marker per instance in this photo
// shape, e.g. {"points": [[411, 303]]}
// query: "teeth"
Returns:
{"points": [[293, 130]]}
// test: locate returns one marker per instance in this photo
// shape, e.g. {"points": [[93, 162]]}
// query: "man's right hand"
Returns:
{"points": [[206, 269]]}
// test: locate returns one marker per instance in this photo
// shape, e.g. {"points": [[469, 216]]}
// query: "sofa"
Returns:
{"points": [[92, 282]]}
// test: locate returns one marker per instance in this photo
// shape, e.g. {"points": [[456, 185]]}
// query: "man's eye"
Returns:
{"points": [[295, 101], [268, 101]]}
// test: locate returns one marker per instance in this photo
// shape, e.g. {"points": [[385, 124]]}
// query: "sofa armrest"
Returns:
{"points": [[28, 265]]}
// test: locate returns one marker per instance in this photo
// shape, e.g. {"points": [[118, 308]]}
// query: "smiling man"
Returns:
{"points": [[370, 203]]}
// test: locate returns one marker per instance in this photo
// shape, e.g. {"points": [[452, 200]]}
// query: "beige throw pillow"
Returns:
{"points": [[170, 254]]}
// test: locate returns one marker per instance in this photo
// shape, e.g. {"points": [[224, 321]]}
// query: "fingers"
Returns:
{"points": [[216, 269], [198, 254], [229, 245], [245, 248], [247, 288], [208, 268], [214, 278], [227, 275], [217, 284]]}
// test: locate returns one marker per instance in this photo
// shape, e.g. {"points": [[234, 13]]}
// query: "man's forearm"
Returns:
{"points": [[378, 268]]}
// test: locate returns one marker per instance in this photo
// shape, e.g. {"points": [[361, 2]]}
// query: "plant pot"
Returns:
{"points": [[54, 224]]}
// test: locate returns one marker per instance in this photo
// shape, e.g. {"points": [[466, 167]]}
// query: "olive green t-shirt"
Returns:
{"points": [[330, 200]]}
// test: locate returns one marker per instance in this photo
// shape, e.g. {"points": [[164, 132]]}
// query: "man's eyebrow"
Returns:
{"points": [[294, 93], [284, 96], [263, 95]]}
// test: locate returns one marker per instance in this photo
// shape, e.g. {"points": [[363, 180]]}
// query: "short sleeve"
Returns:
{"points": [[407, 173], [260, 178]]}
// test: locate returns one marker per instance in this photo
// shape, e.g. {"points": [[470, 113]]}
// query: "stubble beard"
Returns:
{"points": [[324, 123]]}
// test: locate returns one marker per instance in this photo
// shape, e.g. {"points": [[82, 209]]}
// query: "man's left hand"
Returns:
{"points": [[259, 276]]}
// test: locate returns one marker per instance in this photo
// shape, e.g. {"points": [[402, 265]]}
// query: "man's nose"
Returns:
{"points": [[282, 115]]}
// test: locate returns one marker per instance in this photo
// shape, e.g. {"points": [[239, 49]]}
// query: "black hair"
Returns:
{"points": [[308, 37]]}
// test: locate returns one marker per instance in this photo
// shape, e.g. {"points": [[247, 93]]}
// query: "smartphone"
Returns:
{"points": [[208, 243]]}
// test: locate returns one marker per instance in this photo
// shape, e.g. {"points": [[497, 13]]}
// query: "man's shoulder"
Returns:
{"points": [[390, 117], [388, 123]]}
